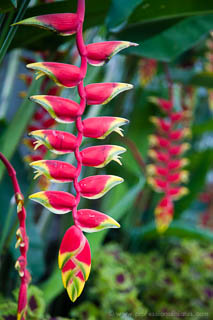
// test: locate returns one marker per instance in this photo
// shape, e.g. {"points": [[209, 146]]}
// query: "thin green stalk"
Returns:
{"points": [[6, 27], [12, 31], [1, 18], [7, 224]]}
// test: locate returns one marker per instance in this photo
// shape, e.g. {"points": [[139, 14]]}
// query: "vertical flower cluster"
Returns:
{"points": [[22, 242], [147, 70], [166, 174], [74, 254]]}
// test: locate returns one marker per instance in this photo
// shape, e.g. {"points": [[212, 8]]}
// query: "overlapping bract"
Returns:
{"points": [[74, 254], [166, 174]]}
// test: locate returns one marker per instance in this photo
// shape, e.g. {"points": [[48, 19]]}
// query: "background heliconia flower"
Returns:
{"points": [[166, 148]]}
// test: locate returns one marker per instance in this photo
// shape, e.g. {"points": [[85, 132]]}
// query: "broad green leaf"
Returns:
{"points": [[179, 229], [172, 42], [203, 79], [5, 6], [199, 129], [11, 137], [120, 11], [166, 9]]}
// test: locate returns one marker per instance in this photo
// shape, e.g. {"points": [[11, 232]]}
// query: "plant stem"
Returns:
{"points": [[12, 31], [6, 27], [22, 240]]}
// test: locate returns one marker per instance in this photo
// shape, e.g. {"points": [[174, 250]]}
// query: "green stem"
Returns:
{"points": [[13, 30], [1, 18], [6, 27]]}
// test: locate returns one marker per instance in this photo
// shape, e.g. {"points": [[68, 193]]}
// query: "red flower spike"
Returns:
{"points": [[163, 125], [58, 202], [30, 158], [178, 192], [74, 260], [92, 221], [100, 156], [64, 24], [54, 170], [158, 141], [157, 170], [100, 53], [101, 127], [22, 303], [61, 109], [164, 214], [177, 164], [95, 187], [102, 93], [59, 142], [159, 156], [178, 150], [64, 75], [165, 105]]}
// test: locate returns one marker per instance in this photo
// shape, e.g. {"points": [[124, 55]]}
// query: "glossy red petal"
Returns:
{"points": [[63, 23], [102, 93]]}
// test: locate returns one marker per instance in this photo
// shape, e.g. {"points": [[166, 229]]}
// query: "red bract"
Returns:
{"points": [[63, 23], [59, 142], [64, 75], [166, 174], [95, 187], [101, 52], [100, 156], [58, 202], [61, 109], [101, 127], [74, 253], [92, 221], [102, 93], [55, 171]]}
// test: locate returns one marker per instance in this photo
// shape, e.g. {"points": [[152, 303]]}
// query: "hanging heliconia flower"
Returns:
{"points": [[74, 254], [147, 70], [166, 174]]}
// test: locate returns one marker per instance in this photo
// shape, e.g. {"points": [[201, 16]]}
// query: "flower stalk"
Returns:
{"points": [[22, 241], [74, 255]]}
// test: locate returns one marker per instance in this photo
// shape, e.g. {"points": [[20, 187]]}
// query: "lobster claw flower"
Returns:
{"points": [[64, 24], [100, 156], [58, 202], [164, 214], [94, 187], [163, 104], [54, 170], [59, 142], [61, 109], [92, 221], [74, 260], [102, 93], [64, 75], [101, 127], [178, 192], [100, 53]]}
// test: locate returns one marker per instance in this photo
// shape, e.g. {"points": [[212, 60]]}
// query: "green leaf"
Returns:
{"points": [[167, 9], [120, 11], [5, 6], [14, 3], [179, 229], [200, 163], [10, 139], [174, 41], [203, 79]]}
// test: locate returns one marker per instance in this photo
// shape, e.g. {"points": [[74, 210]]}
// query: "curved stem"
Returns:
{"points": [[21, 263], [81, 91]]}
